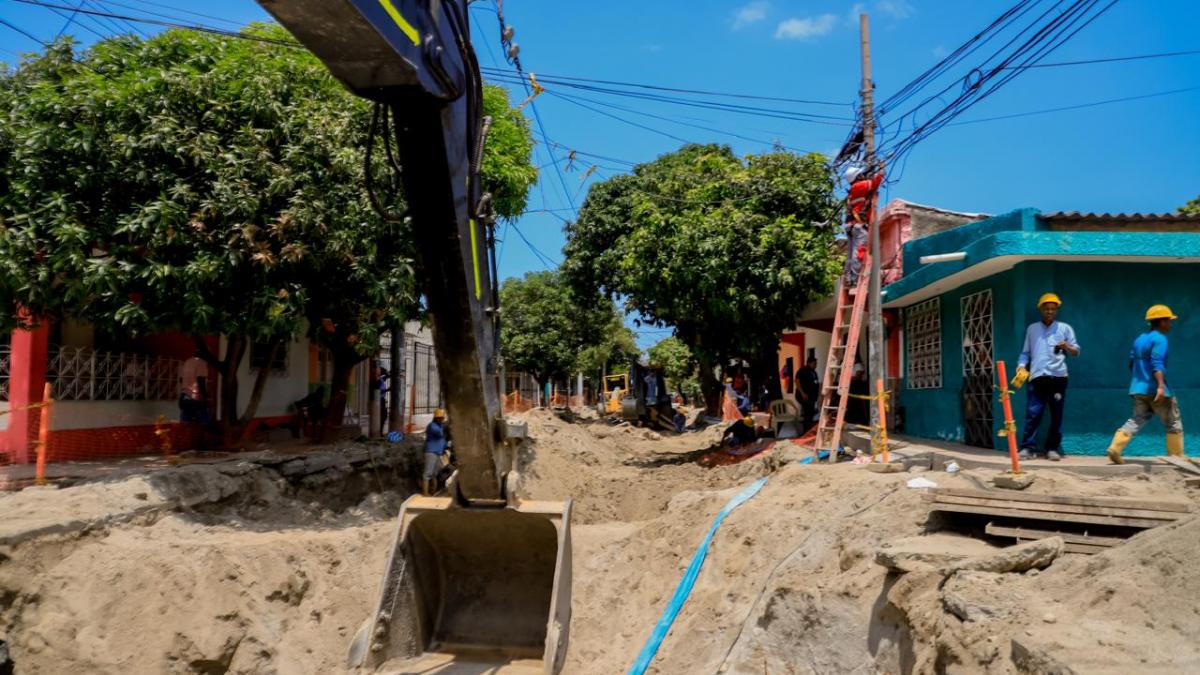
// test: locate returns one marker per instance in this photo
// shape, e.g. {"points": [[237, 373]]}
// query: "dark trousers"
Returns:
{"points": [[808, 411], [1044, 392]]}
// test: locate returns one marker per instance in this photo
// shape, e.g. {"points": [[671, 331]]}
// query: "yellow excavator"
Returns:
{"points": [[479, 580]]}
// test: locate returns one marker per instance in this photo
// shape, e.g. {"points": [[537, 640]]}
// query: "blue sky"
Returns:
{"points": [[1130, 156]]}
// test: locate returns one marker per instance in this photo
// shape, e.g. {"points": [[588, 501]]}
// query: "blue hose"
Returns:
{"points": [[688, 581]]}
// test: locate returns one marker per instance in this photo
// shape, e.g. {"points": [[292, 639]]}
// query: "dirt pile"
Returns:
{"points": [[238, 568], [274, 572]]}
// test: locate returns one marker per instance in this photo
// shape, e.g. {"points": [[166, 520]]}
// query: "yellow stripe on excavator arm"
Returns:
{"points": [[475, 259], [405, 26]]}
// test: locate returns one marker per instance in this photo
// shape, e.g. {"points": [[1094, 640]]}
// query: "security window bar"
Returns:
{"points": [[923, 344]]}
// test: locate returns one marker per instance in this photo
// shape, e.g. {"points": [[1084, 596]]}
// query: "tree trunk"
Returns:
{"points": [[396, 400], [256, 392], [343, 367], [710, 388], [373, 427], [764, 371]]}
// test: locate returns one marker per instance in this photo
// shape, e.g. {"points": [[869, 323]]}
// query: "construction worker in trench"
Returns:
{"points": [[1043, 362], [435, 447], [1148, 387]]}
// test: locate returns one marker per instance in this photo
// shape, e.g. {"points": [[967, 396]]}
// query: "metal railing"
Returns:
{"points": [[5, 369], [83, 374]]}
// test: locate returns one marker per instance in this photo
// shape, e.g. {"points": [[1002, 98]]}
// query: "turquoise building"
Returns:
{"points": [[964, 292]]}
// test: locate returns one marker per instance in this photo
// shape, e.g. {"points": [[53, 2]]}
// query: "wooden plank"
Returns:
{"points": [[1143, 523], [1069, 537], [1074, 548], [1059, 508], [1181, 463], [1192, 482], [1118, 502]]}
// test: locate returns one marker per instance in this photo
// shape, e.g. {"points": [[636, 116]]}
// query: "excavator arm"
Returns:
{"points": [[479, 578], [415, 57]]}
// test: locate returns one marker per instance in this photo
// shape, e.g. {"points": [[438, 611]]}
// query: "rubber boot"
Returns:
{"points": [[1119, 441], [1175, 445], [425, 488]]}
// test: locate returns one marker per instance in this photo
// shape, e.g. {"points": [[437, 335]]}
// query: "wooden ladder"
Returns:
{"points": [[839, 365]]}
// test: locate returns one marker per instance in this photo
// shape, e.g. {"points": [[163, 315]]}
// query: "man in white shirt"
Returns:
{"points": [[1044, 362]]}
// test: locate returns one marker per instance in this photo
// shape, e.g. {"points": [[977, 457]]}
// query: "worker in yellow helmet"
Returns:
{"points": [[1148, 387], [1043, 362], [436, 443]]}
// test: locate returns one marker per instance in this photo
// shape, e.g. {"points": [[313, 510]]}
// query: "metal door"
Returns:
{"points": [[978, 367]]}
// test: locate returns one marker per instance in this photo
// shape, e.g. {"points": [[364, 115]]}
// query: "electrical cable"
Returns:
{"points": [[1076, 106], [1114, 59]]}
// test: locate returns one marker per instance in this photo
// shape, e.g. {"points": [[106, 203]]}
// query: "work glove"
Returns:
{"points": [[1019, 379]]}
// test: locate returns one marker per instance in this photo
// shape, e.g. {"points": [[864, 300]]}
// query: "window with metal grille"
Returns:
{"points": [[923, 344]]}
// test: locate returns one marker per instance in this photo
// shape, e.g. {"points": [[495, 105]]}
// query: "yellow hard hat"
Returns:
{"points": [[748, 421], [1049, 297], [439, 413], [1159, 312]]}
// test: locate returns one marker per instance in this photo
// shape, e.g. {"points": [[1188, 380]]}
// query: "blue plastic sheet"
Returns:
{"points": [[688, 581]]}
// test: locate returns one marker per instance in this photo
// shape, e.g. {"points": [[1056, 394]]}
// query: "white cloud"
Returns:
{"points": [[751, 13], [897, 9], [855, 9], [808, 27]]}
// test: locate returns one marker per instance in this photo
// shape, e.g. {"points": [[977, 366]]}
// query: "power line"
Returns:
{"points": [[22, 31], [699, 92], [170, 24], [1077, 106], [756, 111], [547, 261], [1114, 59]]}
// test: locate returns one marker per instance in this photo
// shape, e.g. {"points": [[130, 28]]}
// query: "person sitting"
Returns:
{"points": [[740, 432], [679, 421]]}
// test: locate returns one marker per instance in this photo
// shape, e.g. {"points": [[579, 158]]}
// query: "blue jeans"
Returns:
{"points": [[1044, 392]]}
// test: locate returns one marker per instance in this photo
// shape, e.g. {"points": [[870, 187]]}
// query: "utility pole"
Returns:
{"points": [[874, 308]]}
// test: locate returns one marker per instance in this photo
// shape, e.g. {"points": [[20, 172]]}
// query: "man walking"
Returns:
{"points": [[1148, 387], [435, 447], [1044, 362]]}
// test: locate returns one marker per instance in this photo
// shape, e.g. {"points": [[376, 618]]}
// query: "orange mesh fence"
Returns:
{"points": [[515, 403]]}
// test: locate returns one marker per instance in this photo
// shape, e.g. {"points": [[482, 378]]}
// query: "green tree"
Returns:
{"points": [[1191, 208], [209, 185], [545, 329], [727, 251], [615, 346], [678, 365]]}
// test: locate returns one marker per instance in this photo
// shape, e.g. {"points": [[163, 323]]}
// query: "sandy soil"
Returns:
{"points": [[280, 582]]}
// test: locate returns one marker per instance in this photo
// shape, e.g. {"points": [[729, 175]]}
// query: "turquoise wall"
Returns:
{"points": [[1104, 302]]}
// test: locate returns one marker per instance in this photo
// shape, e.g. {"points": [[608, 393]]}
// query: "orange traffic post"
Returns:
{"points": [[43, 437], [412, 409], [1010, 427], [881, 402]]}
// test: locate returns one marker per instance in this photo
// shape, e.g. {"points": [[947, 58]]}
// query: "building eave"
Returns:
{"points": [[1003, 250]]}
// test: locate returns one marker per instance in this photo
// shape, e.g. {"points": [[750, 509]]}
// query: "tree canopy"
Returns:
{"points": [[677, 363], [1191, 208], [726, 250], [544, 330], [209, 185]]}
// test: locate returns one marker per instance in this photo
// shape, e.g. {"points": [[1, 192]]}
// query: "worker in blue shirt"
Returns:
{"points": [[435, 446], [1044, 363], [1148, 387]]}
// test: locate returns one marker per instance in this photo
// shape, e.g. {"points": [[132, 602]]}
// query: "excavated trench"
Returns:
{"points": [[270, 564], [265, 564]]}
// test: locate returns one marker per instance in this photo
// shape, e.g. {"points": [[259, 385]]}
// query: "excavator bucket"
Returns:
{"points": [[472, 590]]}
